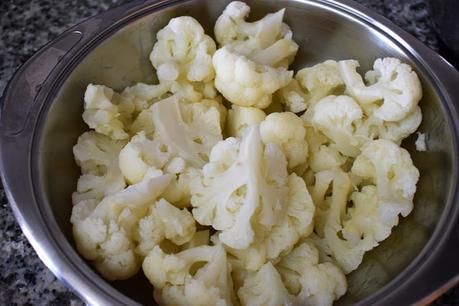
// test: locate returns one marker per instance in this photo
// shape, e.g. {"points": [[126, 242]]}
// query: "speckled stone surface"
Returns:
{"points": [[25, 26]]}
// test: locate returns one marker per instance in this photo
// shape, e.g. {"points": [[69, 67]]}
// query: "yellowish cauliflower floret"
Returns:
{"points": [[310, 85], [265, 288], [240, 117], [97, 156], [295, 223], [182, 57], [390, 81], [287, 131], [243, 177], [311, 283], [103, 111], [175, 285], [104, 232], [164, 221]]}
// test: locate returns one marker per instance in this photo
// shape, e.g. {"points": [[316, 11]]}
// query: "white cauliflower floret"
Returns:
{"points": [[337, 117], [189, 130], [265, 288], [296, 223], [392, 82], [139, 155], [287, 131], [310, 85], [164, 221], [175, 284], [391, 169], [97, 155], [104, 233], [142, 95], [103, 111], [266, 41], [240, 117], [311, 282], [182, 57], [245, 82], [229, 191]]}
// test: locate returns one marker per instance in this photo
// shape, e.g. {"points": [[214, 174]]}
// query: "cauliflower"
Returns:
{"points": [[310, 85], [337, 117], [97, 156], [252, 62], [287, 131], [188, 130], [267, 41], [240, 117], [164, 221], [182, 57], [296, 223], [103, 111], [245, 82], [391, 81], [389, 182], [139, 155], [311, 282], [265, 288], [104, 231], [142, 95], [175, 285], [242, 178]]}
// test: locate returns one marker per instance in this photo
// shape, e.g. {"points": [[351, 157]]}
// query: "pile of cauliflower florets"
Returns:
{"points": [[235, 181]]}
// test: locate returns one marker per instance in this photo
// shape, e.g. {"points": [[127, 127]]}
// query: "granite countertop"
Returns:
{"points": [[25, 26]]}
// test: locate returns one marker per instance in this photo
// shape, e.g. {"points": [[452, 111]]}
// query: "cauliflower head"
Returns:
{"points": [[244, 183], [265, 288], [287, 131], [391, 81], [97, 156], [104, 232], [240, 117], [182, 57], [188, 130], [175, 284], [311, 282]]}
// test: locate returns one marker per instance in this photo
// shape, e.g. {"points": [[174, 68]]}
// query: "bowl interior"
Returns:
{"points": [[322, 33]]}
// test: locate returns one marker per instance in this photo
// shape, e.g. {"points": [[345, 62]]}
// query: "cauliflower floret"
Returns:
{"points": [[189, 130], [311, 282], [182, 57], [104, 232], [296, 223], [164, 221], [267, 41], [265, 288], [391, 81], [337, 117], [245, 82], [240, 117], [175, 284], [142, 95], [102, 111], [391, 169], [287, 131], [97, 155], [310, 85], [229, 191], [139, 155]]}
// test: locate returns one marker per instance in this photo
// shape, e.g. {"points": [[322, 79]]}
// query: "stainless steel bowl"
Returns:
{"points": [[41, 120]]}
